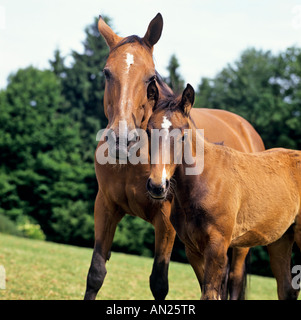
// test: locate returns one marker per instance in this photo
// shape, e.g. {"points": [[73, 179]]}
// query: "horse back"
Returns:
{"points": [[221, 126]]}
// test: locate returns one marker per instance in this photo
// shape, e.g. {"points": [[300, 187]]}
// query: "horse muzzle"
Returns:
{"points": [[120, 145]]}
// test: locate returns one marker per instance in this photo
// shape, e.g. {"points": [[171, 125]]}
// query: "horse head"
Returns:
{"points": [[167, 131], [128, 71]]}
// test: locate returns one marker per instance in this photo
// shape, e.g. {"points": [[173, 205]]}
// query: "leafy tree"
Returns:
{"points": [[263, 89], [174, 79], [135, 236], [83, 87], [42, 173]]}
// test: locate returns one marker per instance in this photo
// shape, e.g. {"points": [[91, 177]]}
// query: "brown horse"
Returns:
{"points": [[128, 71], [238, 200]]}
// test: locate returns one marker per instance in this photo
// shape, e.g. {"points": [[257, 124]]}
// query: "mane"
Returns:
{"points": [[165, 90], [169, 103], [131, 39]]}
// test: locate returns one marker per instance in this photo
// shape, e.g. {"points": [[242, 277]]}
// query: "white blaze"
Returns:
{"points": [[165, 125], [129, 61], [163, 181]]}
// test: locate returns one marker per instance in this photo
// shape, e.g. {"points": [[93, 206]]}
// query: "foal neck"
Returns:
{"points": [[200, 156]]}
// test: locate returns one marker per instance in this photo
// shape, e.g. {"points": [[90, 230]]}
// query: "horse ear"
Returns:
{"points": [[154, 31], [187, 100], [109, 35], [152, 93]]}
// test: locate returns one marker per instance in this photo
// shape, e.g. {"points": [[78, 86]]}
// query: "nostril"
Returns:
{"points": [[159, 190], [148, 184], [133, 137], [167, 184], [110, 135]]}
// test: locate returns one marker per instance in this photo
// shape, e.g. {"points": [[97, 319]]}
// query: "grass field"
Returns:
{"points": [[44, 270]]}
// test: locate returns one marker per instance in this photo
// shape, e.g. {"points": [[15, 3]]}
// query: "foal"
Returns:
{"points": [[239, 199]]}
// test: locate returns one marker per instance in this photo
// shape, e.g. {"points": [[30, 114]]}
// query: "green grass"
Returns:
{"points": [[45, 270]]}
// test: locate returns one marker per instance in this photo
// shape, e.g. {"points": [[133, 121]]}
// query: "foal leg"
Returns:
{"points": [[106, 221], [197, 262], [164, 240], [237, 274], [280, 259], [215, 266]]}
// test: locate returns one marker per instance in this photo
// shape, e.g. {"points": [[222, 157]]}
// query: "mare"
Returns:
{"points": [[237, 199], [121, 188]]}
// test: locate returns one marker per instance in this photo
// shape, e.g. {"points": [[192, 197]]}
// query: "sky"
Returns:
{"points": [[205, 35]]}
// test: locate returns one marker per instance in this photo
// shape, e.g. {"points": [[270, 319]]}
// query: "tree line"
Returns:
{"points": [[49, 120]]}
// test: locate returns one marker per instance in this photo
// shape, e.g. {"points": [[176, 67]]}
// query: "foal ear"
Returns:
{"points": [[109, 35], [154, 31], [152, 93], [187, 99]]}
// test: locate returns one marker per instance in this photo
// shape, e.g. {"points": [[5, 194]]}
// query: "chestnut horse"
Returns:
{"points": [[128, 71], [238, 199]]}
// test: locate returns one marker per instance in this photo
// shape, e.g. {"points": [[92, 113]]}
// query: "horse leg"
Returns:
{"points": [[297, 231], [215, 266], [164, 240], [238, 273], [197, 262], [106, 221], [280, 259]]}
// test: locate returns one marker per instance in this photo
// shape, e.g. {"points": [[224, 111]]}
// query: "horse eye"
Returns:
{"points": [[107, 74], [152, 78]]}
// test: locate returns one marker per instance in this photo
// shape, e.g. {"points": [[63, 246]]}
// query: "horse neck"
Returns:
{"points": [[164, 90]]}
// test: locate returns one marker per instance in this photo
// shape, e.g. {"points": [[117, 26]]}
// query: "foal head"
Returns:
{"points": [[170, 118], [128, 71]]}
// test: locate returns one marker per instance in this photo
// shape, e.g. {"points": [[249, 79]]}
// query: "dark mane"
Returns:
{"points": [[168, 103], [165, 90], [131, 39]]}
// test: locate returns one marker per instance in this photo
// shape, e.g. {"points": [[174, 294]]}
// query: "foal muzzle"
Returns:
{"points": [[157, 191]]}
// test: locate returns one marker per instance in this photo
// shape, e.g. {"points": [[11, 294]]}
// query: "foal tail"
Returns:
{"points": [[234, 285]]}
